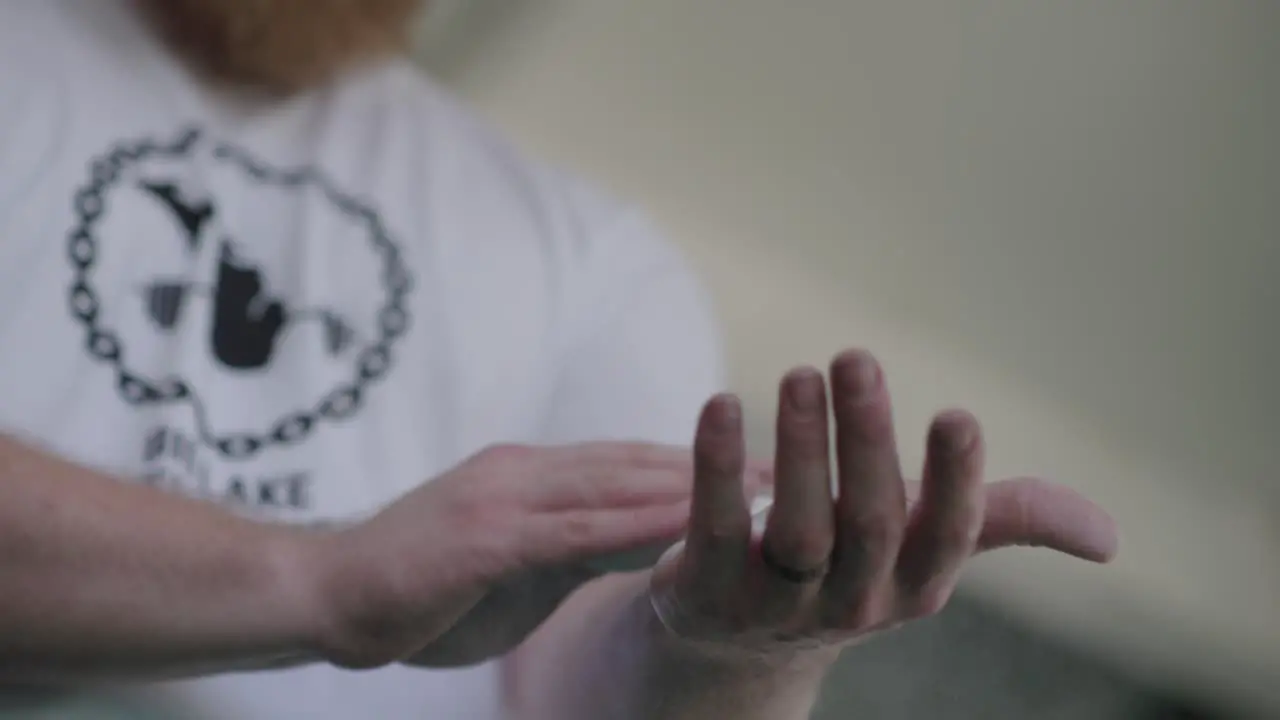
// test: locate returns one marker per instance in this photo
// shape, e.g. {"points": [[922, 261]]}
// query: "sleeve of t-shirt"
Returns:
{"points": [[643, 350]]}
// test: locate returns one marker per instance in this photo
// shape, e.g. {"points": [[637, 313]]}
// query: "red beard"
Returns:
{"points": [[282, 46]]}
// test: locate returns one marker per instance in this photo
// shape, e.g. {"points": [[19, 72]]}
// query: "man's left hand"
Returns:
{"points": [[830, 570]]}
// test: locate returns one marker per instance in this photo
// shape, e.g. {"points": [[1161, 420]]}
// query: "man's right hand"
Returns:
{"points": [[111, 580], [509, 517]]}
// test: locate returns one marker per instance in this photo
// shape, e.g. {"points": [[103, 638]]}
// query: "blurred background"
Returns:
{"points": [[1063, 215]]}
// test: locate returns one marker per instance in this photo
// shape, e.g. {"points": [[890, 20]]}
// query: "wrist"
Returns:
{"points": [[299, 566], [358, 613], [681, 675], [763, 648], [674, 635], [325, 590]]}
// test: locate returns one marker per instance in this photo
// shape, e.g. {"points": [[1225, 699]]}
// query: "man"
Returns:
{"points": [[249, 256]]}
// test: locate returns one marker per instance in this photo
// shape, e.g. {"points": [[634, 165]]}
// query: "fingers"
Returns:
{"points": [[640, 455], [720, 525], [944, 526], [1032, 512], [613, 488], [888, 565], [577, 535], [871, 507], [605, 475], [801, 526], [635, 455]]}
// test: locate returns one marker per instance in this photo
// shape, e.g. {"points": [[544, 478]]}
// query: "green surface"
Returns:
{"points": [[73, 707], [78, 710], [968, 664]]}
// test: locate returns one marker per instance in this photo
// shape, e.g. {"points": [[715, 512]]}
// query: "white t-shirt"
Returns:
{"points": [[305, 309]]}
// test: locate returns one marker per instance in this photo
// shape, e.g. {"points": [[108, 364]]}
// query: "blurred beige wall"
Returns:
{"points": [[1064, 215]]}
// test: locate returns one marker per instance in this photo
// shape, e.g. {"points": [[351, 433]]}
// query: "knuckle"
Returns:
{"points": [[471, 507], [505, 456], [1022, 502], [857, 614], [488, 482], [926, 602], [957, 536], [578, 530], [967, 533], [715, 542], [582, 492], [857, 618], [879, 534], [728, 529]]}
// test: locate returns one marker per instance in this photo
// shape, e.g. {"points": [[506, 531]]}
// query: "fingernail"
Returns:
{"points": [[804, 390], [861, 374], [954, 432], [730, 412]]}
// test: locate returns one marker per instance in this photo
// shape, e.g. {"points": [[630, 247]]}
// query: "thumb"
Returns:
{"points": [[1036, 513]]}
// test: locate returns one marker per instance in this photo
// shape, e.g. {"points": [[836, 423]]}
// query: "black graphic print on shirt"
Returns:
{"points": [[247, 322], [243, 305]]}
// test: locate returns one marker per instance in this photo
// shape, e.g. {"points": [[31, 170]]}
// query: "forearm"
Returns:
{"points": [[604, 654], [106, 579]]}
